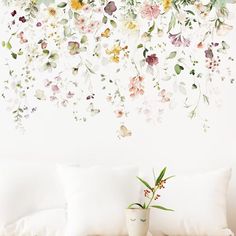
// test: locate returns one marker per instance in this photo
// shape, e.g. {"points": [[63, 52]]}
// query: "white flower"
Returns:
{"points": [[205, 2], [39, 94], [223, 29], [146, 37], [181, 17]]}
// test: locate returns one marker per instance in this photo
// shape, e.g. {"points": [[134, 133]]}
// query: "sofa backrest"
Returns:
{"points": [[26, 188]]}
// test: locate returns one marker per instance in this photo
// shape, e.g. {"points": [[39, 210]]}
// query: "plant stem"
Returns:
{"points": [[151, 199]]}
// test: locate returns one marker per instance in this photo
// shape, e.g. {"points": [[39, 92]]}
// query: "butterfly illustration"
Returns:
{"points": [[124, 131]]}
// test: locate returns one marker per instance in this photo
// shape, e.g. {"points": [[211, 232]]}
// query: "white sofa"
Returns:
{"points": [[32, 201]]}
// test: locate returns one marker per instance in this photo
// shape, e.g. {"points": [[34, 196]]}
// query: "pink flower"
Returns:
{"points": [[150, 11], [178, 40], [152, 60], [22, 37], [55, 88], [44, 45], [146, 192], [119, 113], [70, 94], [136, 86], [165, 96]]}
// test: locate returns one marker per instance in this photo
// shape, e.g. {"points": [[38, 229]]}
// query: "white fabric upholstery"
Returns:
{"points": [[26, 188]]}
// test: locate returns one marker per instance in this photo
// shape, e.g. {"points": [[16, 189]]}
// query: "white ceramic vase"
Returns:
{"points": [[137, 221]]}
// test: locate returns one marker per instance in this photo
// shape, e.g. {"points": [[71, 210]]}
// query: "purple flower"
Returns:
{"points": [[178, 40], [39, 24], [13, 13], [152, 60], [110, 8], [22, 19], [209, 53]]}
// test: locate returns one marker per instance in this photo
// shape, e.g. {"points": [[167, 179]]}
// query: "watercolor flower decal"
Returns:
{"points": [[150, 11], [146, 56]]}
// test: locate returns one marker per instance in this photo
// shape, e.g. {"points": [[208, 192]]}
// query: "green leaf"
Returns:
{"points": [[135, 204], [154, 175], [151, 28], [45, 51], [84, 39], [225, 45], [20, 52], [192, 72], [144, 205], [3, 43], [160, 177], [53, 56], [62, 4], [76, 15], [46, 2], [190, 12], [172, 55], [70, 14], [113, 23], [145, 52], [9, 45], [178, 69], [14, 55], [63, 21], [104, 19], [145, 183], [206, 99], [170, 177], [67, 31], [140, 45], [172, 22], [162, 208]]}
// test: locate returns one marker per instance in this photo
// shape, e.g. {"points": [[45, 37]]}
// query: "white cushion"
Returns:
{"points": [[26, 188], [97, 198], [43, 223], [199, 203]]}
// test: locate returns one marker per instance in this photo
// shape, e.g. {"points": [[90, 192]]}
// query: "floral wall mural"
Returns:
{"points": [[140, 57]]}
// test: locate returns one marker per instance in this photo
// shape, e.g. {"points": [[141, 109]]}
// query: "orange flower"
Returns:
{"points": [[200, 45], [52, 11], [76, 4]]}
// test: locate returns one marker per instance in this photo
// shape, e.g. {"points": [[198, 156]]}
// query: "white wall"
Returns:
{"points": [[52, 135], [178, 142]]}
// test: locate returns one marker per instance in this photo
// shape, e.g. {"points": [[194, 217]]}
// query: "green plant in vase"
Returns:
{"points": [[151, 193], [137, 214]]}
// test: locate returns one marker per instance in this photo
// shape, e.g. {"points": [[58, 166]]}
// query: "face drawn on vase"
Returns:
{"points": [[142, 220]]}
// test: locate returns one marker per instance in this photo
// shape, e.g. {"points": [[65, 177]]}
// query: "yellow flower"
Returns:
{"points": [[115, 52], [167, 4], [106, 33], [131, 25], [76, 4], [115, 59]]}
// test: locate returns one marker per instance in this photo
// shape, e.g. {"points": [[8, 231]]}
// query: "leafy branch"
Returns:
{"points": [[151, 192]]}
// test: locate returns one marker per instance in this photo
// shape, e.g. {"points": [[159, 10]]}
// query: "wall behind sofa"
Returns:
{"points": [[178, 142]]}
